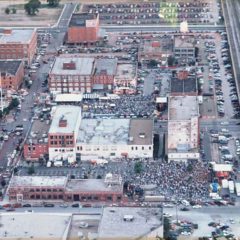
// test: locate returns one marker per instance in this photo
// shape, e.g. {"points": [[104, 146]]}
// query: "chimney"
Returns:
{"points": [[69, 66], [7, 31], [62, 122]]}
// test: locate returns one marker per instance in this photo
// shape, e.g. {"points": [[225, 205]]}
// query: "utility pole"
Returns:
{"points": [[1, 100]]}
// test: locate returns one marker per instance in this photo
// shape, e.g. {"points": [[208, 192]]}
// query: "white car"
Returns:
{"points": [[197, 206]]}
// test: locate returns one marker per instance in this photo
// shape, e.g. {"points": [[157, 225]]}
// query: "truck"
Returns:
{"points": [[231, 186], [237, 188], [58, 163], [157, 198], [225, 183]]}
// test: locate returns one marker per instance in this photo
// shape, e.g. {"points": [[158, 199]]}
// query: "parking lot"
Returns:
{"points": [[200, 12]]}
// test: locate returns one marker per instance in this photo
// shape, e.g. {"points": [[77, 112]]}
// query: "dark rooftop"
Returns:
{"points": [[183, 85], [9, 66], [79, 19]]}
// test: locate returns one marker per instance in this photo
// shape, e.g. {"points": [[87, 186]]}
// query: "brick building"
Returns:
{"points": [[83, 28], [104, 73], [36, 145], [69, 74], [57, 188], [11, 74], [63, 132], [18, 44], [184, 48]]}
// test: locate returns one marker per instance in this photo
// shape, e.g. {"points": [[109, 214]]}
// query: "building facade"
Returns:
{"points": [[22, 188], [183, 128], [18, 44], [83, 28], [71, 74], [11, 74], [63, 132]]}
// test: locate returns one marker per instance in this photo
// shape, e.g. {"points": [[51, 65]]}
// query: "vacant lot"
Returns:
{"points": [[45, 16]]}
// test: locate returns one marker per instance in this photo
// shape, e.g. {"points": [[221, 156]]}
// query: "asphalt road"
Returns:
{"points": [[160, 28]]}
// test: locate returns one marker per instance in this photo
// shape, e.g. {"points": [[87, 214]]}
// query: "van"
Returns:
{"points": [[5, 138], [185, 203]]}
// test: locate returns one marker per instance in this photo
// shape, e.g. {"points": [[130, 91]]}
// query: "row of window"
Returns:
{"points": [[63, 150], [61, 137], [61, 142]]}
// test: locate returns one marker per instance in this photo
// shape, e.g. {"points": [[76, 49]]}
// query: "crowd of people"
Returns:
{"points": [[174, 180], [126, 106]]}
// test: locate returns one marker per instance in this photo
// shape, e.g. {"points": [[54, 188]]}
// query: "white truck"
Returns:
{"points": [[231, 186], [237, 188], [225, 183]]}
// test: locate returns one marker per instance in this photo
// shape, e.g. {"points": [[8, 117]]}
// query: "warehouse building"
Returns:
{"points": [[183, 128], [83, 28]]}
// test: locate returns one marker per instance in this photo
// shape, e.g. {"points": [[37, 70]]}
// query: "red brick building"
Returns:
{"points": [[36, 145], [11, 74], [83, 28], [18, 44], [57, 188], [70, 74], [104, 73]]}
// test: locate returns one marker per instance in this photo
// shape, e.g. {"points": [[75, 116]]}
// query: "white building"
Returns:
{"points": [[183, 128], [71, 137], [115, 138]]}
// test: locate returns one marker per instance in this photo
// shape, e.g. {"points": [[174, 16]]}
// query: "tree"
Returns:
{"points": [[170, 60], [32, 7], [14, 10], [3, 183], [31, 170], [138, 167], [14, 103], [7, 10], [189, 168], [53, 3], [152, 63]]}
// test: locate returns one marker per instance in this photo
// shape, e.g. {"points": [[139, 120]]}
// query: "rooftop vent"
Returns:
{"points": [[62, 122], [128, 218], [69, 66], [142, 135]]}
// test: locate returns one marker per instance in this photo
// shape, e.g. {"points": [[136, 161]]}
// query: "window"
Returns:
{"points": [[51, 137], [109, 198], [150, 148], [142, 147]]}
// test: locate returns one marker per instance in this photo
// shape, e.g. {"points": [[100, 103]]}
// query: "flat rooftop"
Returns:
{"points": [[71, 114], [184, 41], [79, 19], [145, 220], [125, 71], [69, 97], [33, 225], [83, 66], [182, 107], [183, 135], [38, 181], [188, 85], [164, 46], [9, 66], [104, 131], [23, 36], [39, 132], [141, 131], [105, 66], [92, 185], [90, 232]]}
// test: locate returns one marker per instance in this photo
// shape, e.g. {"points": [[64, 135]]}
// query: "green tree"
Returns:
{"points": [[152, 63], [31, 170], [32, 7], [53, 3], [14, 10], [7, 10], [138, 167], [189, 168], [171, 61]]}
